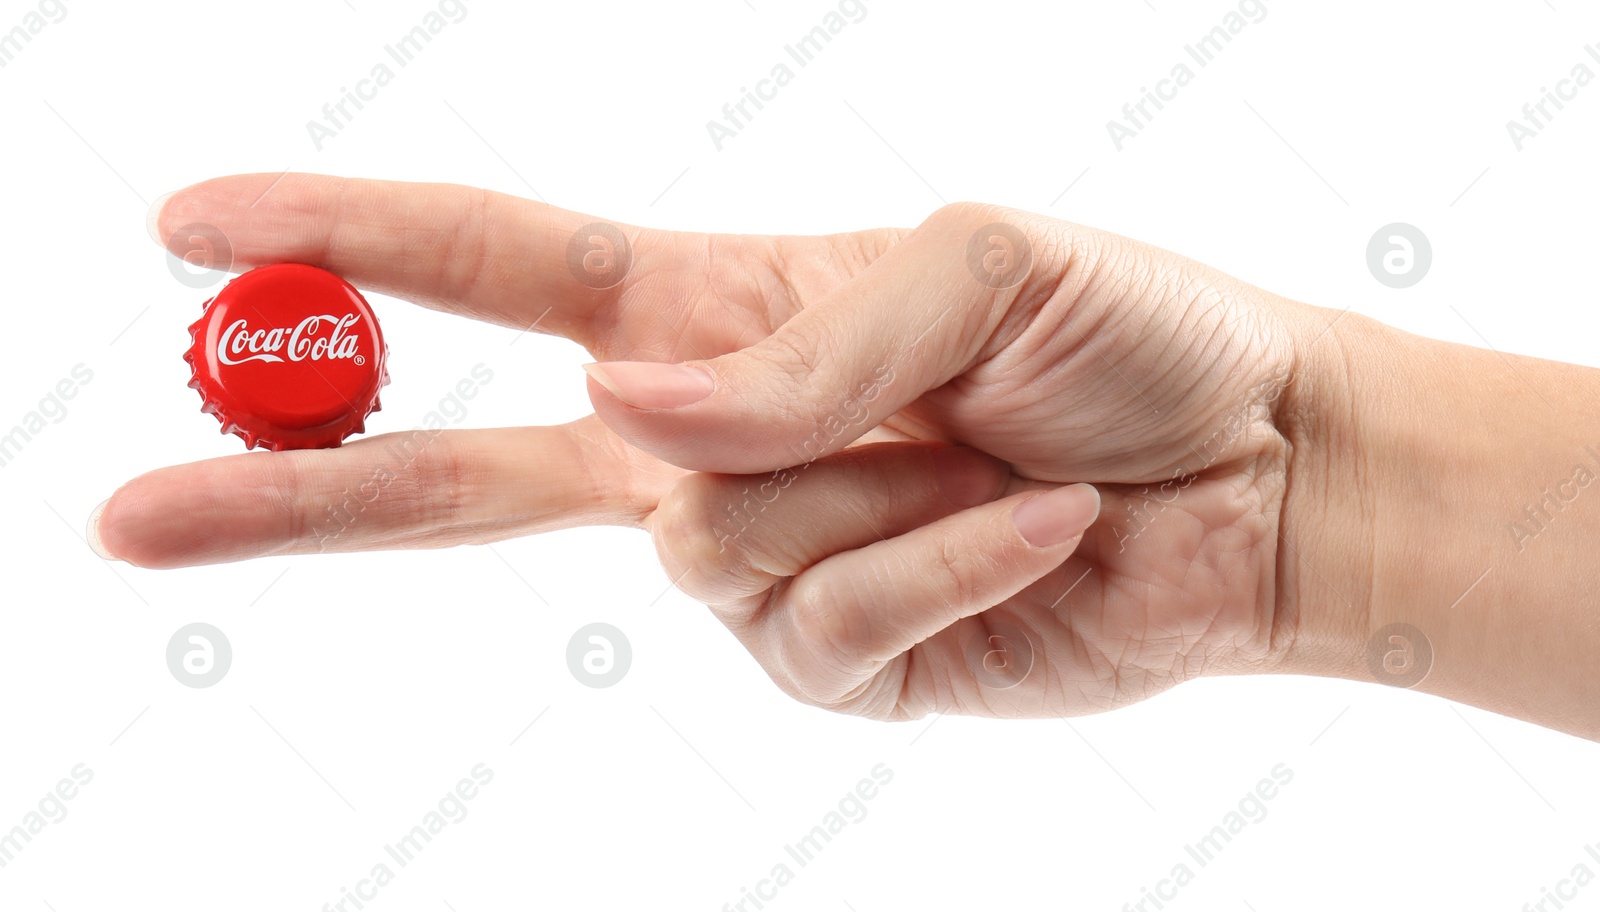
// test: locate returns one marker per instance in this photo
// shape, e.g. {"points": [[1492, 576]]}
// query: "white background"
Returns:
{"points": [[390, 676]]}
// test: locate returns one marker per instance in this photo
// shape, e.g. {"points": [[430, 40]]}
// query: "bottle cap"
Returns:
{"points": [[288, 357]]}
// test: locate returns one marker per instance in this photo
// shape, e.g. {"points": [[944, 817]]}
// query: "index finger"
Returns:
{"points": [[469, 251]]}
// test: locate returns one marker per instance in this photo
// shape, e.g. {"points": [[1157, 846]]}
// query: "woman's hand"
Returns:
{"points": [[900, 578], [796, 468]]}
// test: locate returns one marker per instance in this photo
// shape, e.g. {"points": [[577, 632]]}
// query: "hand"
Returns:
{"points": [[901, 578], [889, 579]]}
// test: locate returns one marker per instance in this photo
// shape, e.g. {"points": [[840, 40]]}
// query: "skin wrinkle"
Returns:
{"points": [[1269, 579], [1028, 301], [1226, 560], [907, 668], [419, 490], [1092, 643], [771, 565], [865, 695], [1217, 338], [606, 326], [1176, 363], [936, 685], [1131, 279], [719, 286], [1251, 517], [780, 267], [707, 295], [449, 271], [641, 483], [1012, 329], [287, 489], [1001, 369], [1080, 276], [1221, 333], [1028, 304], [797, 365], [474, 236], [339, 223], [1293, 414], [708, 277], [1363, 471], [1181, 290], [881, 700], [1209, 556], [992, 307], [440, 467], [593, 481], [814, 614], [687, 546]]}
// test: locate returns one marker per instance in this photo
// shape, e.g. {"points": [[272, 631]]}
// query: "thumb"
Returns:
{"points": [[919, 316]]}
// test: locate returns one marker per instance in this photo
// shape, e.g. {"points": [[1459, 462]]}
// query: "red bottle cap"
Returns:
{"points": [[288, 357]]}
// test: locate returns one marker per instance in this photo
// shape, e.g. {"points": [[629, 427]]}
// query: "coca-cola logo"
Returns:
{"points": [[318, 337]]}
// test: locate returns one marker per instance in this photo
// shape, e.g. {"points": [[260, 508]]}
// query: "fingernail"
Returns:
{"points": [[93, 535], [653, 384], [152, 219], [1057, 516], [966, 477]]}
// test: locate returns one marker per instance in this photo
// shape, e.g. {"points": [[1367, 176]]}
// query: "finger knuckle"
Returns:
{"points": [[432, 483], [696, 540], [967, 217], [1015, 258], [794, 364], [825, 659], [954, 571], [458, 249], [822, 624]]}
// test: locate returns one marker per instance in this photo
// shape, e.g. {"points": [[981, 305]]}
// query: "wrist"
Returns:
{"points": [[1326, 534], [1437, 531]]}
